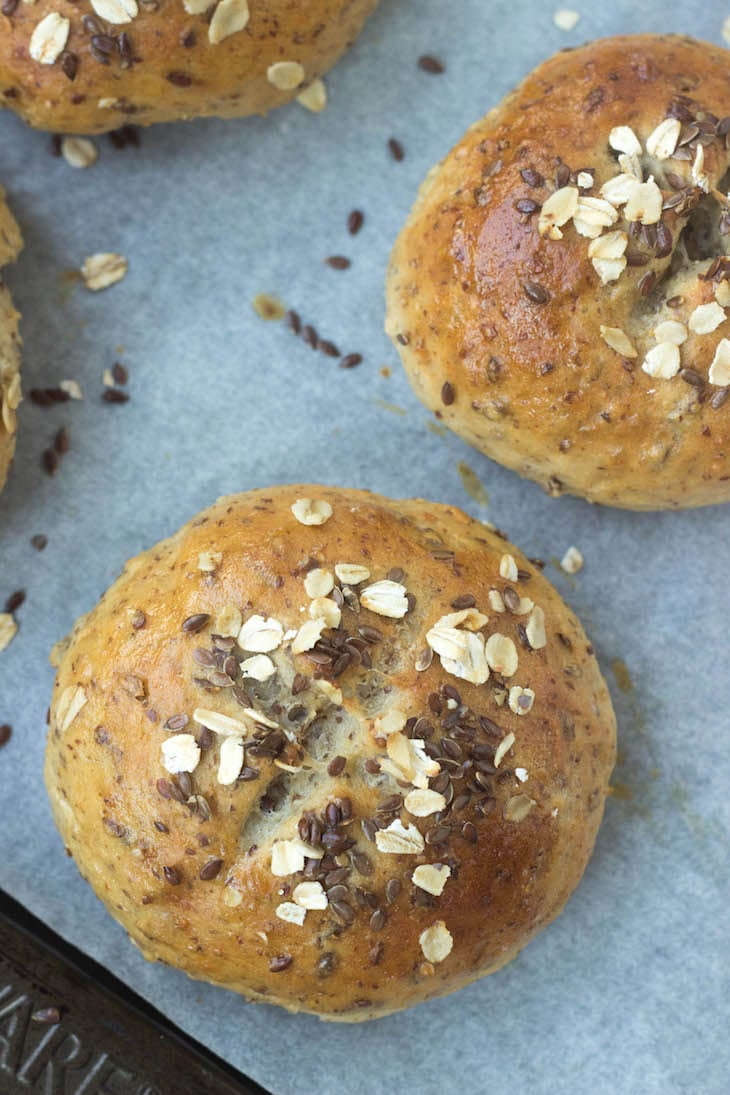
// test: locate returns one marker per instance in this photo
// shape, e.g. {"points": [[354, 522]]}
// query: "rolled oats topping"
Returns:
{"points": [[557, 210], [324, 608], [662, 141], [436, 942], [116, 12], [180, 753], [671, 330], [501, 654], [399, 839], [720, 367], [319, 582], [521, 700], [352, 574], [229, 17], [706, 318], [518, 807], [311, 511], [462, 652], [535, 629], [287, 856], [619, 341], [508, 568], [662, 360], [231, 760], [623, 139], [503, 748], [314, 96], [291, 913], [72, 702], [308, 635], [385, 598], [431, 877], [260, 636], [49, 38], [285, 75], [424, 802], [218, 723], [310, 895]]}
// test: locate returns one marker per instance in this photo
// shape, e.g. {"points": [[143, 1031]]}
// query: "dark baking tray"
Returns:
{"points": [[107, 1041]]}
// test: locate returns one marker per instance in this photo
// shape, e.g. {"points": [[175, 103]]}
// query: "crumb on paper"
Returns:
{"points": [[572, 561], [8, 629], [72, 388], [566, 18]]}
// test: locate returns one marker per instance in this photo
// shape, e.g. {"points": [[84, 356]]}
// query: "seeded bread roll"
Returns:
{"points": [[331, 751], [95, 65], [559, 293], [10, 395]]}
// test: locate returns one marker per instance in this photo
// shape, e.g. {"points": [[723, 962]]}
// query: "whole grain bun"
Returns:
{"points": [[10, 394], [537, 314], [97, 65], [343, 762]]}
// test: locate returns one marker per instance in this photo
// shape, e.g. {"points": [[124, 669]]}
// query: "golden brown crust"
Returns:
{"points": [[533, 383], [130, 666], [175, 71], [10, 394]]}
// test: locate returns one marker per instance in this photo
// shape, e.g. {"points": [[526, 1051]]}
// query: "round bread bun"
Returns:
{"points": [[10, 393], [559, 293], [350, 823], [92, 66]]}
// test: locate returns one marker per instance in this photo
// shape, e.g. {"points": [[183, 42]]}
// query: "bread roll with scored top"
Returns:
{"points": [[332, 751], [560, 293], [10, 391], [96, 65]]}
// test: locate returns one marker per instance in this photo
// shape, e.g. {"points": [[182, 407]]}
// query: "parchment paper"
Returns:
{"points": [[628, 991]]}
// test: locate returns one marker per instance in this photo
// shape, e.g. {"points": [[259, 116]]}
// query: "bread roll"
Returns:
{"points": [[10, 395], [93, 66], [284, 757], [559, 294]]}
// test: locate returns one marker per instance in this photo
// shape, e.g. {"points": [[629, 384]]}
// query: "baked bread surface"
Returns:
{"points": [[10, 391], [192, 867], [573, 352], [144, 61]]}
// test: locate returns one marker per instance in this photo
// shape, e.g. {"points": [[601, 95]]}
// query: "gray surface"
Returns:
{"points": [[628, 991]]}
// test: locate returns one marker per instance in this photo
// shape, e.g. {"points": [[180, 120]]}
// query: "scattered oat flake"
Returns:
{"points": [[501, 654], [231, 760], [260, 636], [535, 629], [671, 330], [314, 96], [518, 807], [72, 389], [663, 140], [268, 307], [116, 12], [521, 699], [645, 203], [310, 895], [431, 877], [566, 19], [285, 75], [503, 748], [258, 668], [436, 942], [556, 211], [8, 629], [662, 361], [572, 561], [325, 609], [72, 701], [385, 598], [49, 38], [308, 635], [102, 270], [722, 294], [319, 582], [706, 318], [623, 139], [508, 568], [229, 17], [218, 723], [291, 913], [720, 367], [180, 753], [209, 561], [619, 341], [423, 802], [311, 512], [352, 574], [399, 839], [79, 151]]}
